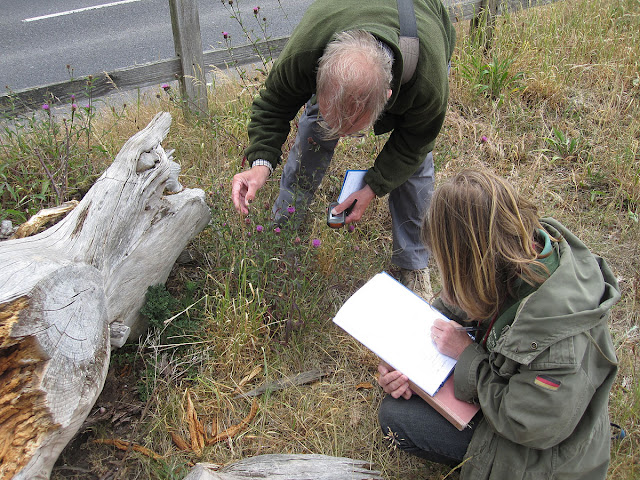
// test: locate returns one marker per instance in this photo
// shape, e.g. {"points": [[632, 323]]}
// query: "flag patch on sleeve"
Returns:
{"points": [[547, 382]]}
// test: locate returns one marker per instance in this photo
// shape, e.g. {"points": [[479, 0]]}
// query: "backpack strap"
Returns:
{"points": [[409, 42]]}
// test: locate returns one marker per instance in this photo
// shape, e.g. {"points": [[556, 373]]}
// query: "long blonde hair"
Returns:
{"points": [[480, 233]]}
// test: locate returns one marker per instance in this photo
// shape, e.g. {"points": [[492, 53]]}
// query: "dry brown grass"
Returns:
{"points": [[581, 77]]}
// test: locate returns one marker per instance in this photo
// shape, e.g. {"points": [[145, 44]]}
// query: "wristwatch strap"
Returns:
{"points": [[262, 162]]}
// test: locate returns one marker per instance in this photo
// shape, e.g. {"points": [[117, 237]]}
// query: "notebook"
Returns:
{"points": [[395, 324]]}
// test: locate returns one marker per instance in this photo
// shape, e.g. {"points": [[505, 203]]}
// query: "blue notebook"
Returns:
{"points": [[353, 181]]}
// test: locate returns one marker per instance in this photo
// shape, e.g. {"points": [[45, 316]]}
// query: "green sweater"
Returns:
{"points": [[416, 110], [544, 386]]}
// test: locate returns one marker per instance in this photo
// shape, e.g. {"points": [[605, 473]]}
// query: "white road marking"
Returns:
{"points": [[78, 10]]}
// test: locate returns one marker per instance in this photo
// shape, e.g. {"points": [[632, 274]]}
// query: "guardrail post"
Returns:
{"points": [[185, 23], [483, 24]]}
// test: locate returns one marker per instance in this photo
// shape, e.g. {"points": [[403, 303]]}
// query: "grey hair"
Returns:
{"points": [[353, 79]]}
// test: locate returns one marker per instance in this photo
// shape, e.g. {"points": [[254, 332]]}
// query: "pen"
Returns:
{"points": [[468, 329]]}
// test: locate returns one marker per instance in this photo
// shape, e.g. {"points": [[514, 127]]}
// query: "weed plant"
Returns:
{"points": [[491, 79], [51, 157], [259, 39], [45, 161], [553, 106]]}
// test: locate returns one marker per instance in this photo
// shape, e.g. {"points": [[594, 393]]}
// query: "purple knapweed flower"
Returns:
{"points": [[256, 10], [291, 209], [297, 241], [277, 230], [352, 228], [225, 35], [165, 86], [315, 242], [259, 228], [247, 220], [45, 106], [74, 107], [484, 139]]}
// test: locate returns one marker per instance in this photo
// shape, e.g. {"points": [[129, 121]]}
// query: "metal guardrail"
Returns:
{"points": [[102, 83]]}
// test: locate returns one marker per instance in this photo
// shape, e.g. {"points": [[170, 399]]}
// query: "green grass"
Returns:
{"points": [[557, 100]]}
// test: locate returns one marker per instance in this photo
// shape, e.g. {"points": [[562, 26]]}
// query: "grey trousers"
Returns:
{"points": [[307, 164], [415, 427]]}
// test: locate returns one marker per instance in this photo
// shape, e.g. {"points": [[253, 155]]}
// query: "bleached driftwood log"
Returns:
{"points": [[289, 467], [63, 290]]}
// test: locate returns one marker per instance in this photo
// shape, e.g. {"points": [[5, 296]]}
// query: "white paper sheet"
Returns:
{"points": [[395, 324]]}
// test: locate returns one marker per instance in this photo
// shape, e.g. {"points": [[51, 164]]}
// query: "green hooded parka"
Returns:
{"points": [[544, 386]]}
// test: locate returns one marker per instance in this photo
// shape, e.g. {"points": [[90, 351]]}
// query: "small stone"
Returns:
{"points": [[6, 229]]}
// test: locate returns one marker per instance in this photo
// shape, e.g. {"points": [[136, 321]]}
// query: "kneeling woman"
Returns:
{"points": [[542, 364]]}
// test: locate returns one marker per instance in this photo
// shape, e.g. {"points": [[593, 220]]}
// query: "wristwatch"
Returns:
{"points": [[262, 162]]}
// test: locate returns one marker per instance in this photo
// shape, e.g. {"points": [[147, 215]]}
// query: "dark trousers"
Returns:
{"points": [[415, 427]]}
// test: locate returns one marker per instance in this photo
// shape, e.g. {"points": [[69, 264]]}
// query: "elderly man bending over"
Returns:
{"points": [[344, 62]]}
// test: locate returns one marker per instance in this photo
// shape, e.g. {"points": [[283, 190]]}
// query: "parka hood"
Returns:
{"points": [[588, 291]]}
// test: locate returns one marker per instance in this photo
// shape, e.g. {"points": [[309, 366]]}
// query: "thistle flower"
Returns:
{"points": [[256, 10], [277, 230], [45, 106], [225, 35], [259, 228], [315, 242], [352, 228], [484, 139], [165, 86], [291, 209]]}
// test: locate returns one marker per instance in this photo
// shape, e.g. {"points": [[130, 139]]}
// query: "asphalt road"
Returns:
{"points": [[44, 41]]}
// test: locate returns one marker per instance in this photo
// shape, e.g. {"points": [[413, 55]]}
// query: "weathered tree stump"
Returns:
{"points": [[289, 467], [69, 292]]}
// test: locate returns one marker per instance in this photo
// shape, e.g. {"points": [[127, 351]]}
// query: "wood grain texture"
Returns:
{"points": [[290, 467], [62, 292], [185, 23]]}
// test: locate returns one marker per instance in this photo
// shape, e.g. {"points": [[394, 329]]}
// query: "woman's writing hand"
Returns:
{"points": [[449, 341], [393, 382]]}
